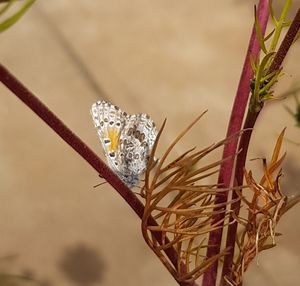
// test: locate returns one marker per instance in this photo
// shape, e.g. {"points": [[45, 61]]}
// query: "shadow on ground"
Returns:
{"points": [[82, 265]]}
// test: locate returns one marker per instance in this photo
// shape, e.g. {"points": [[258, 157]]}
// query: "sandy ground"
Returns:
{"points": [[167, 58]]}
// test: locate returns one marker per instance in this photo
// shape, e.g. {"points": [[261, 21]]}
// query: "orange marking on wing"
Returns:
{"points": [[113, 135]]}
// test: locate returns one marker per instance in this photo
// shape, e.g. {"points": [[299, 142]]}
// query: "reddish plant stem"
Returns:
{"points": [[245, 140], [235, 123], [84, 151], [70, 138], [239, 174]]}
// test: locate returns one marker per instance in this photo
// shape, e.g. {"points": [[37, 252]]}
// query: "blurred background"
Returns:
{"points": [[167, 58]]}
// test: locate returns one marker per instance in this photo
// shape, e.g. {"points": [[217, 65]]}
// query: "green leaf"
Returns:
{"points": [[6, 6], [260, 73], [14, 18], [270, 83], [259, 33], [275, 21], [269, 76], [269, 35], [252, 63]]}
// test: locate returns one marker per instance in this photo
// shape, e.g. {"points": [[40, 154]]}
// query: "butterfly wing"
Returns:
{"points": [[109, 121], [136, 140]]}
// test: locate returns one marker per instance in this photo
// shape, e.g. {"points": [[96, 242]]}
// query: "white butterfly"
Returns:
{"points": [[126, 140]]}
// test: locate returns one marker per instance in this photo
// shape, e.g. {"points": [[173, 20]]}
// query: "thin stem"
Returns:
{"points": [[280, 25], [235, 123], [244, 144], [286, 43], [84, 151]]}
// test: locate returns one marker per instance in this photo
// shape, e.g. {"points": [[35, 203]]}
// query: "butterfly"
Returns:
{"points": [[126, 140]]}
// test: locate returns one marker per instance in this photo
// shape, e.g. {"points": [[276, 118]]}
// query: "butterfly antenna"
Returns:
{"points": [[99, 185]]}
